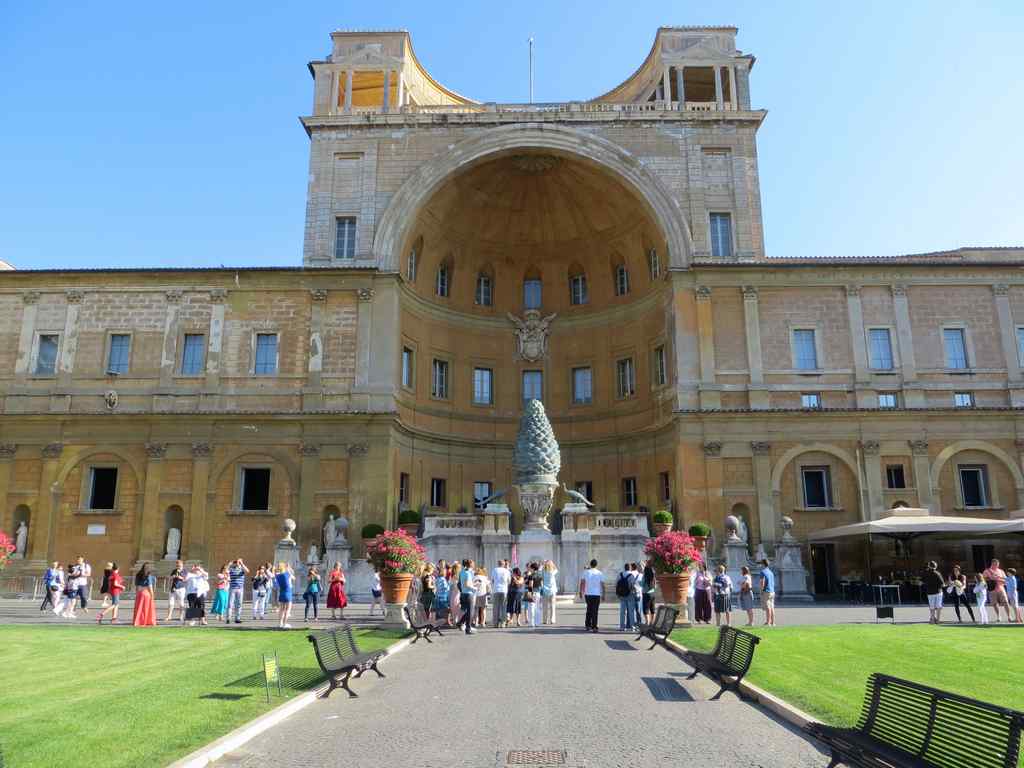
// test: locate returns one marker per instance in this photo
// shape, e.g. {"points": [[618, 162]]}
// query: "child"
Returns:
{"points": [[981, 597], [115, 586], [1011, 595], [377, 592]]}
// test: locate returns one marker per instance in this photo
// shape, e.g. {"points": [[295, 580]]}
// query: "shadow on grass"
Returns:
{"points": [[297, 678], [225, 696]]}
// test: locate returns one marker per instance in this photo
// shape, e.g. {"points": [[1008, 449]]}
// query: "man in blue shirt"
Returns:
{"points": [[768, 594], [467, 595], [236, 588]]}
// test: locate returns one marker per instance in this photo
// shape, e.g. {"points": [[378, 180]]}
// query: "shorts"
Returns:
{"points": [[999, 598], [935, 601], [723, 603], [376, 593], [115, 599], [176, 598], [1013, 599], [768, 600]]}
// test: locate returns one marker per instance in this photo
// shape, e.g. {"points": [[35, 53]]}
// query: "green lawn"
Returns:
{"points": [[123, 696], [822, 670]]}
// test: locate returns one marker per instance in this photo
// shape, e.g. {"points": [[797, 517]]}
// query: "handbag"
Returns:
{"points": [[529, 597]]}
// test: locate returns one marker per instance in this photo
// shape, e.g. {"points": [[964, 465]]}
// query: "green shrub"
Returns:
{"points": [[700, 529], [372, 530], [408, 516], [662, 516]]}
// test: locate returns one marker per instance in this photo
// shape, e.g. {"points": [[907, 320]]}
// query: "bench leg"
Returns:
{"points": [[344, 684], [722, 689], [426, 636], [333, 684], [835, 760], [379, 673], [695, 673]]}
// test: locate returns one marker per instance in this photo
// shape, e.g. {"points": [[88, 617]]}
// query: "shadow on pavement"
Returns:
{"points": [[667, 689]]}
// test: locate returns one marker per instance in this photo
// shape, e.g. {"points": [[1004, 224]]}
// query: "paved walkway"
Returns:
{"points": [[467, 701]]}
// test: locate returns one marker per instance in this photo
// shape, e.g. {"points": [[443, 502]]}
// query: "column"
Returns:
{"points": [[44, 518], [680, 88], [377, 345], [312, 396], [401, 90], [169, 356], [913, 397], [28, 333], [150, 529], [218, 299], [766, 512], [718, 88], [710, 397], [861, 374], [7, 451], [348, 91], [713, 480], [758, 393], [666, 86], [1008, 336], [337, 84], [923, 476], [69, 344], [387, 90], [198, 548], [308, 523], [873, 479], [732, 88]]}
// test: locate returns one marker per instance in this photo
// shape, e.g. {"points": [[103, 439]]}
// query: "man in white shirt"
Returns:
{"points": [[84, 573], [500, 578], [592, 590]]}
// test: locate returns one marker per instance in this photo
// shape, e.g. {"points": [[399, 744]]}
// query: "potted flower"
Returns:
{"points": [[409, 521], [661, 522], [700, 533], [672, 555], [371, 531], [6, 549], [398, 557]]}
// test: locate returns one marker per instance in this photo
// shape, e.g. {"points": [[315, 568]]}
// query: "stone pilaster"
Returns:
{"points": [[861, 375], [923, 476], [1008, 337], [313, 397], [767, 514], [26, 339], [7, 451], [69, 342], [873, 479], [913, 395], [198, 548], [710, 397], [42, 531], [218, 301], [308, 522], [377, 344], [757, 392], [150, 524], [169, 354]]}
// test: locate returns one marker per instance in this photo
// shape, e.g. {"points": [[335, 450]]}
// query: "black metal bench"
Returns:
{"points": [[659, 629], [728, 662], [906, 725], [421, 624], [339, 657]]}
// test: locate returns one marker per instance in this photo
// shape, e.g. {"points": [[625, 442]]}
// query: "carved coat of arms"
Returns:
{"points": [[532, 334]]}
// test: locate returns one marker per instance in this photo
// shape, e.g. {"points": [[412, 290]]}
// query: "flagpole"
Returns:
{"points": [[531, 69]]}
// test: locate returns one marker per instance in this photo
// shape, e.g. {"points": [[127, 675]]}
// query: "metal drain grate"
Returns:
{"points": [[535, 757]]}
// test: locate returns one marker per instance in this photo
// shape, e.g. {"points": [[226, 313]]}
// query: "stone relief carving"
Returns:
{"points": [[30, 297], [7, 450], [110, 399], [218, 296], [919, 447], [53, 450], [74, 296], [201, 450], [532, 334], [173, 296], [760, 448], [358, 449], [712, 450], [156, 450], [365, 294], [309, 449], [871, 447], [318, 294]]}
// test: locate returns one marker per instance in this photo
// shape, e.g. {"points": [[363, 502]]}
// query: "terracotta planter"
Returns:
{"points": [[396, 588], [700, 542], [660, 528], [674, 587], [410, 528]]}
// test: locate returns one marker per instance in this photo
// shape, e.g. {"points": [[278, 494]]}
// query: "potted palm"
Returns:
{"points": [[700, 533], [398, 557], [661, 522], [370, 532], [672, 556], [409, 521]]}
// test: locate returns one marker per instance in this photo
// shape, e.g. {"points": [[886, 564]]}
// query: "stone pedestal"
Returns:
{"points": [[495, 536], [338, 552], [736, 556], [394, 617], [790, 572], [287, 551], [535, 545]]}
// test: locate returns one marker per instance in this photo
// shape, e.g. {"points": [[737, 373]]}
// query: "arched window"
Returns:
{"points": [[484, 296], [621, 280], [532, 289], [577, 286], [443, 282], [413, 261]]}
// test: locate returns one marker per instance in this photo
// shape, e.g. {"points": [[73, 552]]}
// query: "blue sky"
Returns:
{"points": [[141, 134]]}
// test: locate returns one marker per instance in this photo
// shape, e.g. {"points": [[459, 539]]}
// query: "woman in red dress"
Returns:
{"points": [[144, 614], [336, 598]]}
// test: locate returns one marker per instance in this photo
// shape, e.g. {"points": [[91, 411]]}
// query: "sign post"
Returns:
{"points": [[271, 674]]}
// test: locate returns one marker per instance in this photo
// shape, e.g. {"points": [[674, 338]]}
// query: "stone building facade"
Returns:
{"points": [[605, 256]]}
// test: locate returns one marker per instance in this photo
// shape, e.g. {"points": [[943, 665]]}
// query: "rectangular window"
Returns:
{"points": [[629, 492], [403, 488], [805, 351], [439, 380], [956, 347], [411, 264], [482, 392], [586, 487], [442, 284], [665, 484], [660, 367], [531, 294], [654, 264], [625, 378], [582, 386], [102, 487], [533, 385], [46, 354], [345, 238], [438, 492], [484, 291], [880, 349], [963, 399], [255, 489], [407, 368], [1020, 346], [117, 355], [810, 400], [621, 280], [266, 354], [974, 484], [721, 235], [481, 491], [887, 400], [193, 355], [817, 487], [894, 476], [578, 289]]}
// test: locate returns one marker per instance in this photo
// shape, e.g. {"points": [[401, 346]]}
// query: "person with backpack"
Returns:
{"points": [[722, 587], [624, 590]]}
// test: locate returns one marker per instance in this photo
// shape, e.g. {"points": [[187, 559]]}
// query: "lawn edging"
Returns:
{"points": [[771, 702], [219, 747]]}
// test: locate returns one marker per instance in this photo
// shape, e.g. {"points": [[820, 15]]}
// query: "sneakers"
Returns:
{"points": [[238, 621]]}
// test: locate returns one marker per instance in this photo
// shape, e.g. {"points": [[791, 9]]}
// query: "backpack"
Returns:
{"points": [[622, 587]]}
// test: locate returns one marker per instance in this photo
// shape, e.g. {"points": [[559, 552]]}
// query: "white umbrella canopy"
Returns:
{"points": [[908, 526]]}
